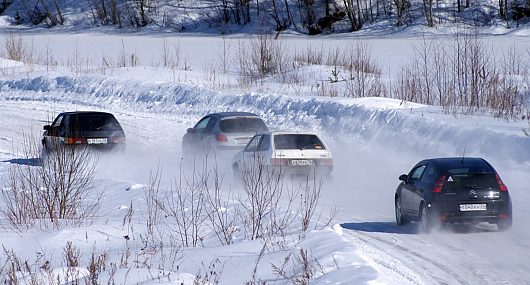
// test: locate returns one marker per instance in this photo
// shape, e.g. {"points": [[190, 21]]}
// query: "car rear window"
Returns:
{"points": [[465, 181], [94, 122], [242, 125], [297, 141]]}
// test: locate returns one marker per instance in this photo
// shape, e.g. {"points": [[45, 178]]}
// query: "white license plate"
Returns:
{"points": [[301, 162], [242, 141], [97, 141], [472, 207]]}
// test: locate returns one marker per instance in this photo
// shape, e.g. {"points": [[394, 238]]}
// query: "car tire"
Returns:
{"points": [[504, 225], [426, 223], [400, 219]]}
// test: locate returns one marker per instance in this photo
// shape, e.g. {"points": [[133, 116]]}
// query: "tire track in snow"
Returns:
{"points": [[415, 261]]}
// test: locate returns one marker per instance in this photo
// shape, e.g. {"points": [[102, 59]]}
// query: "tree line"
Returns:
{"points": [[307, 16]]}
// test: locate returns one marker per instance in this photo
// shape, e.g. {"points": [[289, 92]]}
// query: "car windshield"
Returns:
{"points": [[297, 141], [242, 125], [95, 122]]}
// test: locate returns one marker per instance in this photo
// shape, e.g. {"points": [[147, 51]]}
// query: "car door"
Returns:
{"points": [[411, 190], [251, 152], [53, 133], [193, 137]]}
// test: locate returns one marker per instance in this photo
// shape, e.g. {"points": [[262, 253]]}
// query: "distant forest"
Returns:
{"points": [[306, 16]]}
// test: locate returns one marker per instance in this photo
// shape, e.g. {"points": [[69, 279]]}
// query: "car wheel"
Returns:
{"points": [[426, 223], [400, 219], [504, 225]]}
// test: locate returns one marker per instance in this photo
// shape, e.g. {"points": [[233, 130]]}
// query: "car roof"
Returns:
{"points": [[287, 133], [86, 113], [233, 114], [446, 163]]}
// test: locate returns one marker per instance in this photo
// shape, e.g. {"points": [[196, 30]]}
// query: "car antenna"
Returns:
{"points": [[463, 155]]}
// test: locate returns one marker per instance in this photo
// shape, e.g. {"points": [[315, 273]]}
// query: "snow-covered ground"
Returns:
{"points": [[373, 141]]}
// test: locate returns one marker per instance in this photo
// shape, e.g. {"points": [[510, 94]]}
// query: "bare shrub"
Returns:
{"points": [[170, 59], [261, 56], [14, 46], [309, 200], [364, 73], [298, 267], [52, 190], [97, 264], [224, 55], [310, 56], [184, 210], [71, 255], [127, 58], [210, 275], [463, 76], [263, 189], [152, 199], [223, 220]]}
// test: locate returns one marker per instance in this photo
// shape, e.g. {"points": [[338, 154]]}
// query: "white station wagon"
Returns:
{"points": [[298, 153]]}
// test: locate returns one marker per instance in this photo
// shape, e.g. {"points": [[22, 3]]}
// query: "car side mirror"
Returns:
{"points": [[47, 128], [403, 177]]}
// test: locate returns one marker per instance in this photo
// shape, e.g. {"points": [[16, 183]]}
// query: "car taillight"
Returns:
{"points": [[325, 161], [118, 140], [503, 216], [221, 138], [439, 185], [279, 161], [502, 187], [75, 141]]}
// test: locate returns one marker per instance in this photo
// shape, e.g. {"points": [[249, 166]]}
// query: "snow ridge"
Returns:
{"points": [[405, 129]]}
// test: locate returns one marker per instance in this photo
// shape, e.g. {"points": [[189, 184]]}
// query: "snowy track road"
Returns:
{"points": [[362, 189]]}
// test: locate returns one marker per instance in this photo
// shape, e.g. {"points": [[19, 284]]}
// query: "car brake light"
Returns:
{"points": [[221, 138], [503, 216], [439, 185], [325, 161], [118, 140], [502, 187], [75, 141], [279, 161]]}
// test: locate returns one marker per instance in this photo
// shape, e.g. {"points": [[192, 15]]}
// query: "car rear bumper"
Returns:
{"points": [[305, 171], [451, 213]]}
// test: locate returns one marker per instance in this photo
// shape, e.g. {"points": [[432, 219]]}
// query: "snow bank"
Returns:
{"points": [[381, 121]]}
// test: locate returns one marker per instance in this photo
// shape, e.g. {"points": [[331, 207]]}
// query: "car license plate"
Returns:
{"points": [[97, 141], [304, 162], [242, 140], [472, 207]]}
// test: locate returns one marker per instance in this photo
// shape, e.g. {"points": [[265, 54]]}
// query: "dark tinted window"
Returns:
{"points": [[58, 121], [201, 125], [94, 122], [430, 175], [297, 141], [417, 172], [265, 143], [465, 181], [242, 125]]}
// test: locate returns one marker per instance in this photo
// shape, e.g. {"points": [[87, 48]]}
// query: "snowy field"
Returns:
{"points": [[373, 141]]}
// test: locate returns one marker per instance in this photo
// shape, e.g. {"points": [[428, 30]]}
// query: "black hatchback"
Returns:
{"points": [[453, 190], [98, 130]]}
